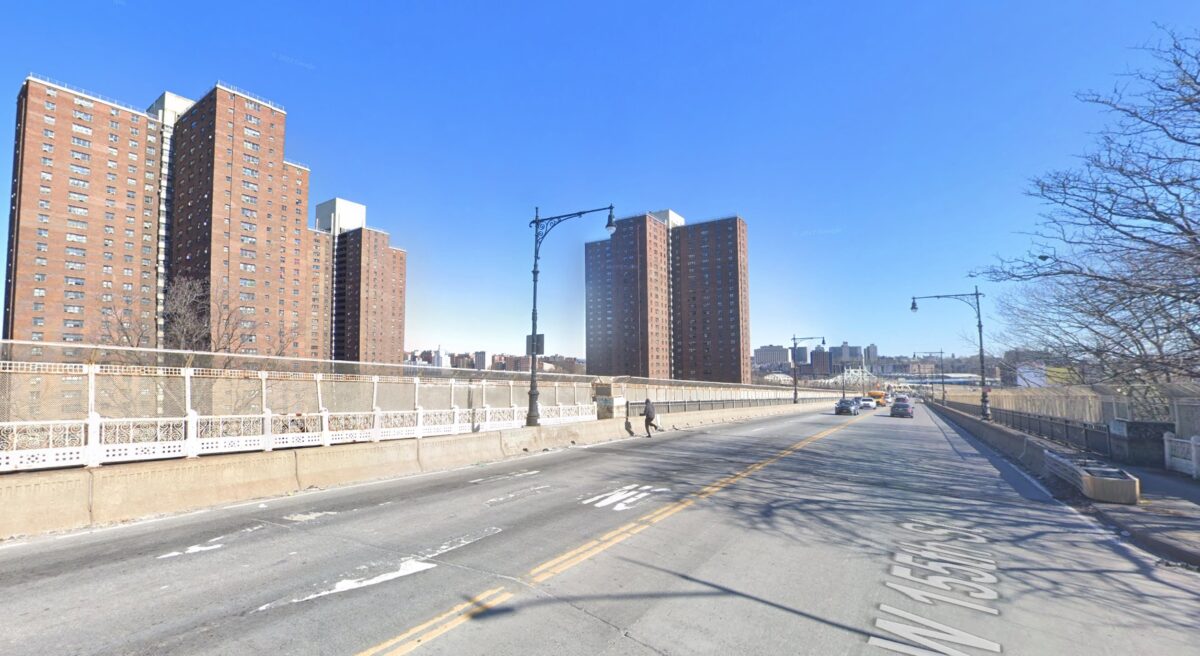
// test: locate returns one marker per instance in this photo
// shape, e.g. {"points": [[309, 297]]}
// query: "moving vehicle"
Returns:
{"points": [[866, 403], [901, 409], [880, 397], [845, 407]]}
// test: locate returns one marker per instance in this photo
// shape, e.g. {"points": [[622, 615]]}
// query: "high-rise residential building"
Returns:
{"points": [[85, 224], [665, 299], [113, 206], [627, 289], [240, 227], [369, 282], [481, 360], [711, 301], [598, 307]]}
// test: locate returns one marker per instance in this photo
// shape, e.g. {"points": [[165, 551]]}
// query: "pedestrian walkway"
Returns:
{"points": [[1167, 521]]}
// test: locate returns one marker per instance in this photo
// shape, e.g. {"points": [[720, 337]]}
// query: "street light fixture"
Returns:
{"points": [[795, 386], [533, 346], [971, 299]]}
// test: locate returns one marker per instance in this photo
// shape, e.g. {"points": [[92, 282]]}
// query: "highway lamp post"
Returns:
{"points": [[795, 385], [542, 225], [941, 366], [971, 299]]}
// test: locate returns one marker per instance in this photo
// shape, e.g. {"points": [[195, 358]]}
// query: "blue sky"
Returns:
{"points": [[876, 150]]}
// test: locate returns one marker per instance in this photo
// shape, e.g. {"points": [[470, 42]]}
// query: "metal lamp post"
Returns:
{"points": [[795, 386], [971, 299], [941, 365], [542, 225]]}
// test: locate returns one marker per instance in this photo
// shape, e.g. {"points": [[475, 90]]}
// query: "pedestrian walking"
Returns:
{"points": [[648, 413]]}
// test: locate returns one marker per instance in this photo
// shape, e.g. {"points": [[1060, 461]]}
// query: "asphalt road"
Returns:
{"points": [[806, 534]]}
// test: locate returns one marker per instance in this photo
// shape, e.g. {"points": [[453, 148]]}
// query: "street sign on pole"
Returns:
{"points": [[535, 348]]}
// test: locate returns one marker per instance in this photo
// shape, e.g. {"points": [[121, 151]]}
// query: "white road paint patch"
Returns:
{"points": [[623, 498], [406, 567], [500, 477], [195, 548], [519, 494], [411, 565], [308, 516]]}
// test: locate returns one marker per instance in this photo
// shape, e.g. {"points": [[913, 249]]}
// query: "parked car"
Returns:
{"points": [[845, 407], [902, 410], [867, 403]]}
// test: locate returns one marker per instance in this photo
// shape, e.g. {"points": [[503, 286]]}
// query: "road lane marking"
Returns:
{"points": [[513, 496], [563, 562], [624, 498], [501, 477], [453, 612], [566, 561], [941, 561]]}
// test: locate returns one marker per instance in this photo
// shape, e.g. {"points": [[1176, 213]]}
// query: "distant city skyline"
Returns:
{"points": [[463, 136]]}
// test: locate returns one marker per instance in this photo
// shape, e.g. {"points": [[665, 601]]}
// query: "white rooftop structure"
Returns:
{"points": [[339, 215]]}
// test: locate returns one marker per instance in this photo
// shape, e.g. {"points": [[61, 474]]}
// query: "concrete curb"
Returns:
{"points": [[1147, 538]]}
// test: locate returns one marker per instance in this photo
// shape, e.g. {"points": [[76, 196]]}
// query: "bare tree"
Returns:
{"points": [[1112, 278]]}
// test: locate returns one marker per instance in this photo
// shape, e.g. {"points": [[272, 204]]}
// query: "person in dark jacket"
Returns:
{"points": [[648, 413]]}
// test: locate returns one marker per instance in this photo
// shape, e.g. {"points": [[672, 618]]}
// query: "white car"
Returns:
{"points": [[867, 403]]}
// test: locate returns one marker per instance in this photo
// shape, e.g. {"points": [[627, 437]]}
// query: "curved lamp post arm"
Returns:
{"points": [[971, 299], [542, 225]]}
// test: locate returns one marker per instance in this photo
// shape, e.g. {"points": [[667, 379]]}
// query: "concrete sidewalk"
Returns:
{"points": [[1167, 521]]}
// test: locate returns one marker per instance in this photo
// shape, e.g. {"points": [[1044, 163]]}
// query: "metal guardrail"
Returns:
{"points": [[1096, 438], [636, 409]]}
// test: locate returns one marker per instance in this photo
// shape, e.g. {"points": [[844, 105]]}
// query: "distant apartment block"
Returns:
{"points": [[669, 300], [368, 286]]}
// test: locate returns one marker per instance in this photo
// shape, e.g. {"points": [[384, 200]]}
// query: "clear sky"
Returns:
{"points": [[876, 150]]}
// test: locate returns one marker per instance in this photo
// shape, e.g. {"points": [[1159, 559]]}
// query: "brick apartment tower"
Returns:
{"points": [[598, 307], [240, 225], [640, 314], [669, 300], [369, 282], [711, 301], [85, 244]]}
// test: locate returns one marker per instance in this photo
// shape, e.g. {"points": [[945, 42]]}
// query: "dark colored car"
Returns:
{"points": [[902, 409], [846, 407]]}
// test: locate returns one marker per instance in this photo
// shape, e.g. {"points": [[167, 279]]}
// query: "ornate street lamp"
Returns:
{"points": [[795, 386], [534, 345], [971, 299]]}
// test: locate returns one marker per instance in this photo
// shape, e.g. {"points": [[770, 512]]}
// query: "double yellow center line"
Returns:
{"points": [[431, 629]]}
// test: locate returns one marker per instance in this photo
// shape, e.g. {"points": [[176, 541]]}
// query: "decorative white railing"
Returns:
{"points": [[122, 440], [1182, 454], [41, 444], [45, 444]]}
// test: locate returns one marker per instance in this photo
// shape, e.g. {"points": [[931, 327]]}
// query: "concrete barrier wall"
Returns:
{"points": [[1028, 450], [140, 489], [327, 466], [38, 502]]}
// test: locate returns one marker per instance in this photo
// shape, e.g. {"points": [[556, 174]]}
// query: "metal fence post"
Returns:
{"points": [[377, 424], [268, 439], [191, 439], [325, 437], [94, 452], [420, 421]]}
